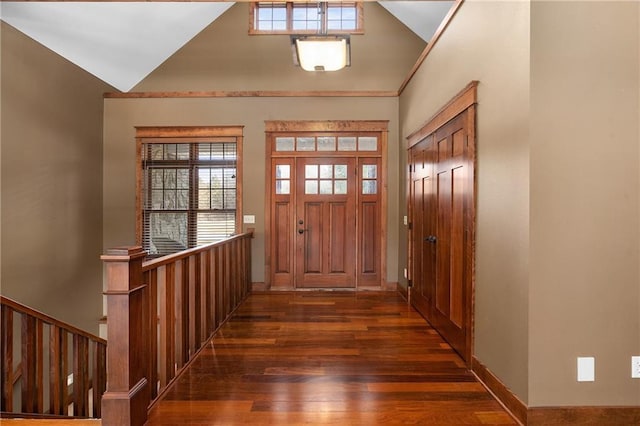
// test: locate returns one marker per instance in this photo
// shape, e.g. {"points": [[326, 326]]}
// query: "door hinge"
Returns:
{"points": [[410, 167], [409, 226], [409, 283]]}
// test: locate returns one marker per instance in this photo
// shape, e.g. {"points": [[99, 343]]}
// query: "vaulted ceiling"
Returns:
{"points": [[122, 42]]}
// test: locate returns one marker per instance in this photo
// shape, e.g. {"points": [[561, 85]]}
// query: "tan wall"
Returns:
{"points": [[51, 182], [489, 42], [558, 189], [121, 115], [224, 57], [585, 190]]}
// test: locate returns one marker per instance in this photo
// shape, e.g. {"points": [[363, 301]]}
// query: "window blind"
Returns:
{"points": [[189, 194]]}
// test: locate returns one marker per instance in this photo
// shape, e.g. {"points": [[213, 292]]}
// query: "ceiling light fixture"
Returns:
{"points": [[321, 52]]}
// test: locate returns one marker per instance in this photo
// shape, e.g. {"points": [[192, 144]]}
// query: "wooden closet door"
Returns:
{"points": [[422, 225], [441, 205], [450, 194]]}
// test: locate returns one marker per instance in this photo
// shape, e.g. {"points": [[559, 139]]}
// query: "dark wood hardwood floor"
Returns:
{"points": [[327, 358]]}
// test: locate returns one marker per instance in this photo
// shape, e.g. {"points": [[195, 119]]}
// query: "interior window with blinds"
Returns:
{"points": [[189, 192]]}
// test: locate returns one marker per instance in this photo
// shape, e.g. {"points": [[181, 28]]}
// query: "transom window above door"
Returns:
{"points": [[327, 144]]}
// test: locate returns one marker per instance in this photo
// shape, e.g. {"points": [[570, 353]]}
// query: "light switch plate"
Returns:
{"points": [[249, 218], [586, 369]]}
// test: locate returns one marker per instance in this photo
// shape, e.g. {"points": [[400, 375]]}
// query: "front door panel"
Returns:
{"points": [[325, 222]]}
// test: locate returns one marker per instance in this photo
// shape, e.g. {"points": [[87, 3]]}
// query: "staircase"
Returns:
{"points": [[161, 313], [49, 369]]}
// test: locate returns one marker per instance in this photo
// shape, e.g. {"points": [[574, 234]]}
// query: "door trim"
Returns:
{"points": [[465, 100], [460, 102], [274, 128]]}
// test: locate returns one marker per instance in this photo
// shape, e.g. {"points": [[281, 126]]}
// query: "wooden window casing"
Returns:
{"points": [[172, 164], [290, 22]]}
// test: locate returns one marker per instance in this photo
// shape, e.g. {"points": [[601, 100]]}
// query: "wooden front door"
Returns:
{"points": [[441, 207], [325, 222], [326, 205]]}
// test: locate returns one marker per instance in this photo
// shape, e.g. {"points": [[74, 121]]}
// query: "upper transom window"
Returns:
{"points": [[306, 18]]}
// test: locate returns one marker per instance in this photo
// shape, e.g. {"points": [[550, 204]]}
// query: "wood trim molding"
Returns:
{"points": [[188, 131], [390, 286], [511, 402], [255, 94], [597, 416], [460, 102], [404, 292], [436, 36], [327, 126], [258, 286]]}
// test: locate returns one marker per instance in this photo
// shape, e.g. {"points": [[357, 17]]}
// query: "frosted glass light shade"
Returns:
{"points": [[321, 53]]}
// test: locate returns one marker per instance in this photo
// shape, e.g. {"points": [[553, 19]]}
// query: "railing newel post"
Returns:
{"points": [[128, 395], [194, 292]]}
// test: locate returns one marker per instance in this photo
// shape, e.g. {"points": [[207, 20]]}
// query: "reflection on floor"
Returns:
{"points": [[327, 358]]}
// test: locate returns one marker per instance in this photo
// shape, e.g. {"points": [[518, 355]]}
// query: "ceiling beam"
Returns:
{"points": [[253, 94]]}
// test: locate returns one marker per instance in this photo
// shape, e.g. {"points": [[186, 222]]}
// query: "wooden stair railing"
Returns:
{"points": [[160, 313], [48, 368]]}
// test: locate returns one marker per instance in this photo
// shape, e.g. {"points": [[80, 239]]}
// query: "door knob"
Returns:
{"points": [[431, 239], [301, 231]]}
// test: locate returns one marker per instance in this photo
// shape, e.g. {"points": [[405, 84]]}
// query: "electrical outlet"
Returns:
{"points": [[586, 369], [635, 367]]}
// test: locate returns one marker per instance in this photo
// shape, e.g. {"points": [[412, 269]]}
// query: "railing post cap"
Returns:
{"points": [[116, 254]]}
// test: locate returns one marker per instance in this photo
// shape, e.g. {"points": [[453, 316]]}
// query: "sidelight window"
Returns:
{"points": [[283, 179], [369, 179]]}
